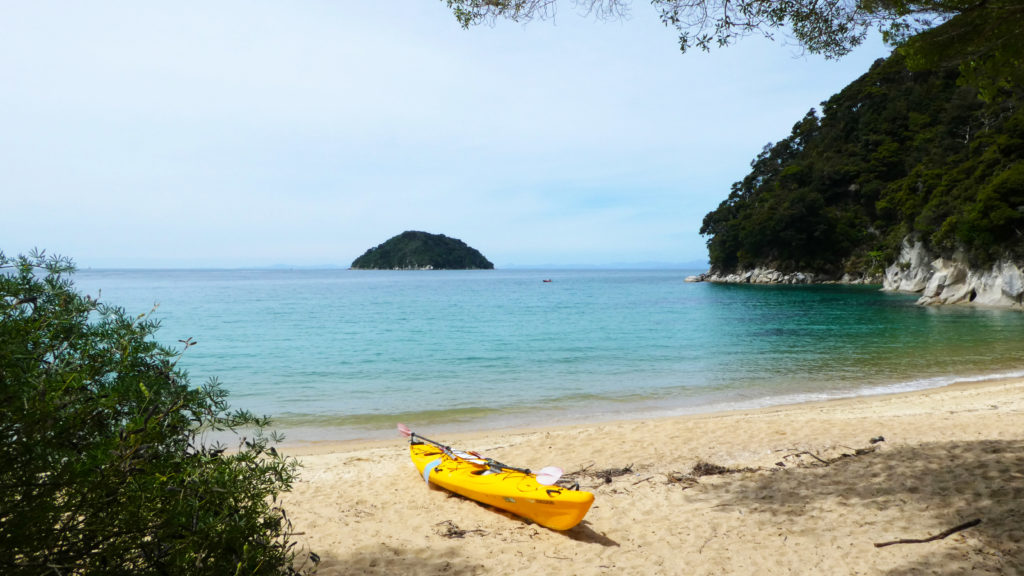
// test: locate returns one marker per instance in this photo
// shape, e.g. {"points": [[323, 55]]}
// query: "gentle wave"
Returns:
{"points": [[895, 388]]}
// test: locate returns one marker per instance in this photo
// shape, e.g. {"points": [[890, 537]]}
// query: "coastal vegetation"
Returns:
{"points": [[829, 27], [413, 250], [105, 465], [905, 151]]}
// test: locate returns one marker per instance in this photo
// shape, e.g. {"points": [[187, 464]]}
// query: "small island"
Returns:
{"points": [[414, 250]]}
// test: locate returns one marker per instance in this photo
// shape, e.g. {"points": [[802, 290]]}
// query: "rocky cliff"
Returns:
{"points": [[906, 149], [953, 280]]}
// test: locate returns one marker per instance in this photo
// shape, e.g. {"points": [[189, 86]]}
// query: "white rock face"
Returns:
{"points": [[953, 281], [1013, 281], [772, 276], [761, 276], [938, 280], [911, 271]]}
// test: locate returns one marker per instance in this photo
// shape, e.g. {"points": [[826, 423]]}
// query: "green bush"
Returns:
{"points": [[104, 467]]}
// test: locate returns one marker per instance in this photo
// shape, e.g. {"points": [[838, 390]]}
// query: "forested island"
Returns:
{"points": [[912, 175], [413, 250]]}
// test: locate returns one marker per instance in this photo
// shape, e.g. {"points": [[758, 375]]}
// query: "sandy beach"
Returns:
{"points": [[809, 489]]}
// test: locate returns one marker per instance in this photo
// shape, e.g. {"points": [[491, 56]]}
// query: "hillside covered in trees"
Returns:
{"points": [[929, 149], [422, 251]]}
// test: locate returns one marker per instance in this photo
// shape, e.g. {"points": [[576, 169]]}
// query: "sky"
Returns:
{"points": [[262, 133]]}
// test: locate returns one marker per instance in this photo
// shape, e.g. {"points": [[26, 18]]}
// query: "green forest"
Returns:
{"points": [[929, 144], [413, 250]]}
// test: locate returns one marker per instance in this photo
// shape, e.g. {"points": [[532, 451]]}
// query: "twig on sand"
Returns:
{"points": [[572, 479], [702, 468], [815, 456], [605, 476], [830, 461], [451, 530], [685, 480], [939, 536], [701, 551], [610, 473]]}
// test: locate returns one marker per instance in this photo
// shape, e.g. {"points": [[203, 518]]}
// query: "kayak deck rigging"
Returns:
{"points": [[489, 482]]}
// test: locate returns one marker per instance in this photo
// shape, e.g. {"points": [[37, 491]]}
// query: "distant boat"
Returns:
{"points": [[547, 279]]}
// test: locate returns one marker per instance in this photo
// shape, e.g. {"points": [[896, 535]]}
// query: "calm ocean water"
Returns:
{"points": [[339, 354]]}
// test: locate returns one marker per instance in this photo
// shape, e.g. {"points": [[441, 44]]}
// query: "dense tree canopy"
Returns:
{"points": [[830, 27], [104, 469], [414, 250], [896, 153], [992, 45]]}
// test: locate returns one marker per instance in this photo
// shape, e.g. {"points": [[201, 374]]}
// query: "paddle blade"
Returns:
{"points": [[404, 430], [548, 475]]}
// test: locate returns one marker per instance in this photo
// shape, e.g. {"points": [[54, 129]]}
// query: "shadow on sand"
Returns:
{"points": [[438, 559], [384, 560], [441, 559], [946, 483], [584, 533]]}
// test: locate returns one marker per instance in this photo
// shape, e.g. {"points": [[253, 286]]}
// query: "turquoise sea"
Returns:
{"points": [[341, 354]]}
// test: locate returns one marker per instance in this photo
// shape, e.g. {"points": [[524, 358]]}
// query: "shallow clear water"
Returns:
{"points": [[338, 354]]}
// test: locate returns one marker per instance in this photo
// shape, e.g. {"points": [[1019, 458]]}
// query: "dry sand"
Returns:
{"points": [[809, 502]]}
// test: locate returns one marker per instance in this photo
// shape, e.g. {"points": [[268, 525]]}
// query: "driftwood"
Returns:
{"points": [[939, 536]]}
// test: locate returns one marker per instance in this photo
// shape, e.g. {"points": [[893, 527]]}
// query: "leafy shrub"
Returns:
{"points": [[104, 469]]}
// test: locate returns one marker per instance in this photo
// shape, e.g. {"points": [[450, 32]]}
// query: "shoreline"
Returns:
{"points": [[979, 383], [610, 412], [811, 493]]}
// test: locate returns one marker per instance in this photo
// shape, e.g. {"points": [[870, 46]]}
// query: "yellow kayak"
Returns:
{"points": [[516, 491]]}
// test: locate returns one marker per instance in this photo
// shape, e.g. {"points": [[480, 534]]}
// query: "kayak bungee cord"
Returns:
{"points": [[546, 476], [534, 497]]}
